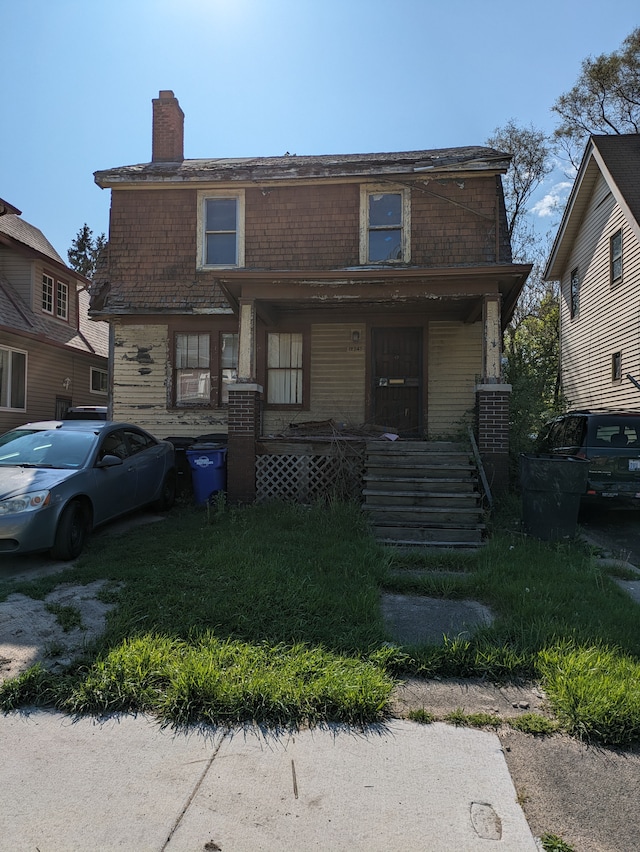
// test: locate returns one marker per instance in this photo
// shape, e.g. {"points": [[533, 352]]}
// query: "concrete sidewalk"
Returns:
{"points": [[126, 784]]}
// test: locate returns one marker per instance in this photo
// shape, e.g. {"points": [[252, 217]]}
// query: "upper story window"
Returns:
{"points": [[13, 378], [616, 257], [55, 297], [221, 229], [385, 224], [575, 293]]}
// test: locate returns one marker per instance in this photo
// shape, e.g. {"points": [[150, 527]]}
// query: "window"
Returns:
{"points": [[13, 378], [221, 229], [384, 225], [55, 297], [228, 364], [99, 381], [192, 369], [616, 257], [575, 292], [284, 369], [616, 367]]}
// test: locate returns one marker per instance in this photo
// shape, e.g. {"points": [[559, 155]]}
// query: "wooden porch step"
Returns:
{"points": [[386, 497], [429, 535]]}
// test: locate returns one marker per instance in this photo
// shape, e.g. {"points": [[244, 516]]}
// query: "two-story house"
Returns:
{"points": [[365, 290], [52, 356], [596, 259]]}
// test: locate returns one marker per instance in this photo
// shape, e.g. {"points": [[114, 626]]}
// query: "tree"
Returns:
{"points": [[605, 99], [85, 251], [531, 340], [530, 164]]}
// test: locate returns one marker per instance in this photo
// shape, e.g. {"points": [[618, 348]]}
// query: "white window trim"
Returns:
{"points": [[387, 188], [55, 285], [26, 378], [102, 372], [238, 194]]}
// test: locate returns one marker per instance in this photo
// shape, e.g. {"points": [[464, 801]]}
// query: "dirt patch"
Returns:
{"points": [[30, 633]]}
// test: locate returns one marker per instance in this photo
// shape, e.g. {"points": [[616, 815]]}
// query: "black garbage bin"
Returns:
{"points": [[181, 444], [551, 489], [208, 462]]}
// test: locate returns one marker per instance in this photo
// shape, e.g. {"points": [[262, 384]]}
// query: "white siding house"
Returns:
{"points": [[596, 259]]}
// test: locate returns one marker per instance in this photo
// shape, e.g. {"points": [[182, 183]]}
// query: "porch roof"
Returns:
{"points": [[458, 291]]}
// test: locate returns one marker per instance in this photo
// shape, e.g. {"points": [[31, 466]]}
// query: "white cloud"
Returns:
{"points": [[554, 200]]}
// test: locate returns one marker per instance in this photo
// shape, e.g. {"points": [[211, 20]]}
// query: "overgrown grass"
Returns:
{"points": [[271, 614]]}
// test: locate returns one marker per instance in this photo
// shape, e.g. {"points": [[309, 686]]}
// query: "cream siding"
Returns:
{"points": [[608, 319], [454, 364], [337, 377], [141, 385]]}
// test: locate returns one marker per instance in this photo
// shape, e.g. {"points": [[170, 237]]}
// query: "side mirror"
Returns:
{"points": [[109, 461]]}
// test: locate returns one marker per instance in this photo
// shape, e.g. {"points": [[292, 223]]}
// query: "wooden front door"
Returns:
{"points": [[397, 379]]}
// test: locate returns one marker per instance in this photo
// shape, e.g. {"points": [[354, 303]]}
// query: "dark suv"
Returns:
{"points": [[610, 441]]}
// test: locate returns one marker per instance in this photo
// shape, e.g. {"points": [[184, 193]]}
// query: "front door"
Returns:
{"points": [[397, 379]]}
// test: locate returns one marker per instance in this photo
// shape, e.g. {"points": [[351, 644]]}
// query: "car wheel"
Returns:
{"points": [[168, 494], [72, 532]]}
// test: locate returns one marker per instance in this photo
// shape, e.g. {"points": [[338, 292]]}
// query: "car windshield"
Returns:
{"points": [[46, 448]]}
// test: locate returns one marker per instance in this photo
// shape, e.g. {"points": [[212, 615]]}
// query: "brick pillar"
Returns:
{"points": [[493, 433], [244, 430]]}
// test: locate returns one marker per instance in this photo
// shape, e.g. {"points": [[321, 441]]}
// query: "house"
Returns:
{"points": [[52, 355], [257, 297], [596, 259]]}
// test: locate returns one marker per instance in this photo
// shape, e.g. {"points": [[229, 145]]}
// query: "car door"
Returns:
{"points": [[116, 485], [147, 457]]}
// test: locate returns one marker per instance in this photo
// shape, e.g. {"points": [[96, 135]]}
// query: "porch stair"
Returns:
{"points": [[423, 494]]}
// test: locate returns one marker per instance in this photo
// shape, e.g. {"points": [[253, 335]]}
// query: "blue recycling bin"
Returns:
{"points": [[208, 463]]}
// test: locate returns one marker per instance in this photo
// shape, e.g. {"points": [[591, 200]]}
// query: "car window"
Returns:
{"points": [[617, 432], [573, 432], [46, 448], [138, 441], [114, 444]]}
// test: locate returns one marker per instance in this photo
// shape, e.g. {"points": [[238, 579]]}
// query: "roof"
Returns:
{"points": [[617, 158], [16, 228], [293, 167], [5, 208]]}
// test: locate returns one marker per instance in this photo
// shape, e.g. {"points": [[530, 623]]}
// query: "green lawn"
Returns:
{"points": [[271, 614]]}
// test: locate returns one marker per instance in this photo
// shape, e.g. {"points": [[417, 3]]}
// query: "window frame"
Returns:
{"points": [[305, 370], [203, 197], [366, 191], [190, 404], [574, 293], [8, 398], [615, 257], [98, 371], [223, 396], [616, 366], [54, 296]]}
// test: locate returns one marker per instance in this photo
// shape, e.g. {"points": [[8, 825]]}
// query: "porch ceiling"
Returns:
{"points": [[456, 293]]}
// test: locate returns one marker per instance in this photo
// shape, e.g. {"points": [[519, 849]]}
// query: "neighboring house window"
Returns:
{"points": [[55, 297], [221, 229], [99, 380], [575, 292], [616, 367], [228, 364], [616, 257], [385, 225], [13, 378], [284, 369], [192, 369]]}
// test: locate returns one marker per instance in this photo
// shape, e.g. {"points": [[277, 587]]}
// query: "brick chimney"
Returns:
{"points": [[168, 129]]}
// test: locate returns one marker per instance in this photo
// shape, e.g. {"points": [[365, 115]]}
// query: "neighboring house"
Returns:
{"points": [[365, 290], [51, 354], [596, 259]]}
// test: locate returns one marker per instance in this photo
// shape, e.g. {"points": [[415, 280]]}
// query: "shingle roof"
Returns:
{"points": [[621, 155], [291, 166], [15, 227]]}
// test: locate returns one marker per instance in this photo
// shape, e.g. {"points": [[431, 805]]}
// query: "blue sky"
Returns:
{"points": [[261, 77]]}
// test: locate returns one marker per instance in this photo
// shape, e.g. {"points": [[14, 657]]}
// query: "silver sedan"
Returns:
{"points": [[60, 479]]}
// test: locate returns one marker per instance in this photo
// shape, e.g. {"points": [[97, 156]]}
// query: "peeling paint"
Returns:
{"points": [[142, 356]]}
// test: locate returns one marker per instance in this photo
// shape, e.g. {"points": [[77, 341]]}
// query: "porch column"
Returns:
{"points": [[244, 413], [492, 401]]}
